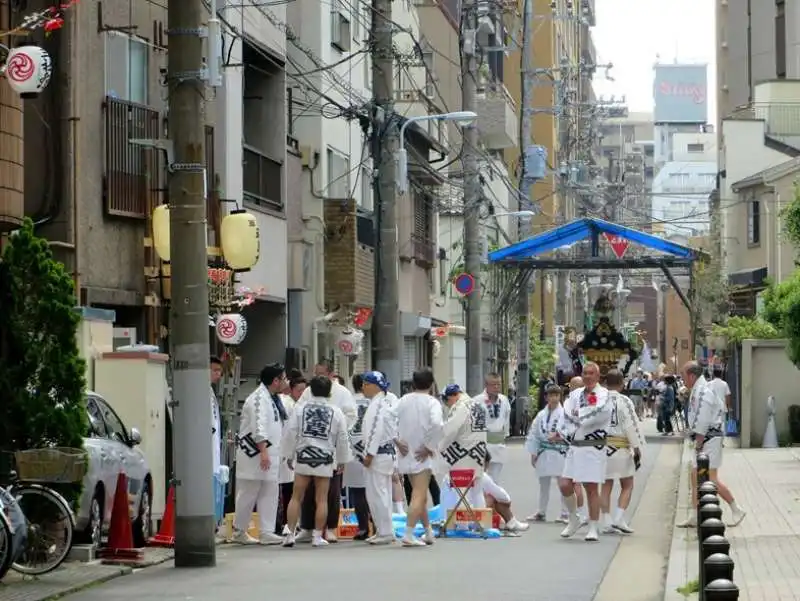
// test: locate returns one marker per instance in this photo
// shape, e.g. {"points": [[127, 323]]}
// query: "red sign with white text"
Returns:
{"points": [[618, 244]]}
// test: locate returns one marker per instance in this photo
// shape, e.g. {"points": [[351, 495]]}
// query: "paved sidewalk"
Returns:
{"points": [[765, 547]]}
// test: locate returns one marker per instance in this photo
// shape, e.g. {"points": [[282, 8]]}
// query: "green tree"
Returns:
{"points": [[41, 371], [782, 311], [737, 328]]}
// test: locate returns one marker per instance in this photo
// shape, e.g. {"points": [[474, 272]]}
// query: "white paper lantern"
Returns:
{"points": [[28, 70], [161, 239], [240, 240], [231, 328]]}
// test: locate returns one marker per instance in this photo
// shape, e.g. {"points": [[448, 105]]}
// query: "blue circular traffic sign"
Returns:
{"points": [[464, 283]]}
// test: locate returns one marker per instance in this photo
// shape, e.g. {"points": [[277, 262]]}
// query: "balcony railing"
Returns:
{"points": [[132, 172], [782, 120], [263, 179], [423, 250]]}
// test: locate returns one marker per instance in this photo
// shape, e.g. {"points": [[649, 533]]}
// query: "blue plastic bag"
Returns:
{"points": [[437, 515]]}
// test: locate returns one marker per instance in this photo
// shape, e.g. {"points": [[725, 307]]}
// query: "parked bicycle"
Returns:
{"points": [[38, 525]]}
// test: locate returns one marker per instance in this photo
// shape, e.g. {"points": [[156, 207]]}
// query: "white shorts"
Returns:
{"points": [[585, 465], [712, 448], [494, 490], [450, 498], [620, 465]]}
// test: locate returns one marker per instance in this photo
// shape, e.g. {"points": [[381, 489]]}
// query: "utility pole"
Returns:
{"points": [[193, 451], [525, 188], [388, 341], [472, 197]]}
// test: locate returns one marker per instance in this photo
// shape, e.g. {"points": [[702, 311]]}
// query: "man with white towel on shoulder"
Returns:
{"points": [[498, 423]]}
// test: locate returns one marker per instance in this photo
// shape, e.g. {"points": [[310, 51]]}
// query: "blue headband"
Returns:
{"points": [[377, 378]]}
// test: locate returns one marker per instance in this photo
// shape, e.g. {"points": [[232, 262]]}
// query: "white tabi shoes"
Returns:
{"points": [[573, 525], [691, 522], [381, 540], [242, 538], [412, 541], [317, 540], [737, 516], [270, 539], [514, 525], [594, 534], [303, 536]]}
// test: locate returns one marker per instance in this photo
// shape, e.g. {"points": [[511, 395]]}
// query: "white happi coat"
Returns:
{"points": [[260, 421], [286, 474], [498, 425], [549, 455], [707, 419], [463, 444], [582, 421], [419, 424], [340, 397], [354, 471], [216, 432], [624, 425], [379, 431], [317, 438]]}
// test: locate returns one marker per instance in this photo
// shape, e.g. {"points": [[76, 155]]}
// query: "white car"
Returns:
{"points": [[112, 450]]}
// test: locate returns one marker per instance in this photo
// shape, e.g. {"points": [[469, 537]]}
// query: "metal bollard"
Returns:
{"points": [[708, 499], [707, 488], [721, 590], [715, 544], [705, 493], [718, 567], [702, 469], [709, 511], [707, 528]]}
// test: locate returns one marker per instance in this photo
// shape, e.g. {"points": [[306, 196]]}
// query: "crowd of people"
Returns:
{"points": [[301, 442]]}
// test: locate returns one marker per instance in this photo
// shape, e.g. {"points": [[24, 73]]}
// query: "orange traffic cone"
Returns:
{"points": [[120, 533], [166, 534]]}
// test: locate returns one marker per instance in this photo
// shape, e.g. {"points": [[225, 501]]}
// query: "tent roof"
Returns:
{"points": [[581, 229]]}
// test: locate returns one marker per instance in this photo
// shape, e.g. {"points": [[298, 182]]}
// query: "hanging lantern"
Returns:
{"points": [[161, 232], [231, 328], [240, 240], [28, 70]]}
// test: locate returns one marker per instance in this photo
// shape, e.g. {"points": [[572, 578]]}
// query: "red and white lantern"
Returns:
{"points": [[28, 70]]}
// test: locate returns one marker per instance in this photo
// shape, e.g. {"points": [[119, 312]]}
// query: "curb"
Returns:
{"points": [[682, 565], [69, 590]]}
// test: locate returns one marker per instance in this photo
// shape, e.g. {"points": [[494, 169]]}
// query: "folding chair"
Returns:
{"points": [[462, 481]]}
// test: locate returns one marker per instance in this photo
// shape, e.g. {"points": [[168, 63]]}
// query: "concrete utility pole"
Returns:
{"points": [[472, 197], [387, 342], [525, 188], [193, 450]]}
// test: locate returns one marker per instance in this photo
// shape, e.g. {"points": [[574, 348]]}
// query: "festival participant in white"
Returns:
{"points": [[498, 424], [419, 430], [294, 390], [706, 423], [258, 458], [624, 451], [583, 511], [463, 445], [317, 439], [354, 479], [547, 451], [380, 432], [342, 398], [398, 493], [497, 498], [584, 425], [215, 369]]}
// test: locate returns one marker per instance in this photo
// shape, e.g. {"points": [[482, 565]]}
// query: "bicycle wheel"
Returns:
{"points": [[51, 526], [5, 544]]}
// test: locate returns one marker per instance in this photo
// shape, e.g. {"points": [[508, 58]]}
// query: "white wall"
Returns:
{"points": [[694, 147], [680, 196]]}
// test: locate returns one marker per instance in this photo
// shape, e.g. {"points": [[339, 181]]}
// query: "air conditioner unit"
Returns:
{"points": [[124, 337]]}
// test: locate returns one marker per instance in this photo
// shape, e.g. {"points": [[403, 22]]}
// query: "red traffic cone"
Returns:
{"points": [[166, 533], [120, 533]]}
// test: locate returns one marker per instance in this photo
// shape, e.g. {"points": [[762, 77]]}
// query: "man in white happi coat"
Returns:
{"points": [[419, 429], [584, 425], [318, 442], [342, 398], [258, 458], [624, 451], [219, 476], [498, 424], [380, 432], [291, 396], [706, 432], [547, 451], [354, 478], [463, 445]]}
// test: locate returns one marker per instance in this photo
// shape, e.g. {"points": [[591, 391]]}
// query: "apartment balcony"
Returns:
{"points": [[132, 173], [498, 123], [588, 10], [781, 120], [349, 255], [588, 49], [423, 251], [263, 179]]}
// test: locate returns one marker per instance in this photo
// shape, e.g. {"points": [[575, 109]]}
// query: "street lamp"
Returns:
{"points": [[462, 117]]}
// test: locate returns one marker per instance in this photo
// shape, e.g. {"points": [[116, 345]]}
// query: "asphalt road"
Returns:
{"points": [[538, 566]]}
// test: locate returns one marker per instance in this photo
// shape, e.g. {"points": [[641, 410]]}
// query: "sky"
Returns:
{"points": [[635, 34]]}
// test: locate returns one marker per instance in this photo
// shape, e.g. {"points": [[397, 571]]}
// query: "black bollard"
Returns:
{"points": [[711, 527], [710, 511], [708, 499], [707, 488], [718, 567], [705, 493], [702, 469], [715, 544], [721, 590]]}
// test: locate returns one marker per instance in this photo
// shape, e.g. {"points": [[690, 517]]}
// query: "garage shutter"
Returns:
{"points": [[410, 358]]}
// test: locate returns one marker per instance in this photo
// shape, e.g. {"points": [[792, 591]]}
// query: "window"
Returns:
{"points": [[340, 26], [695, 148], [127, 67], [430, 81], [97, 428], [780, 39], [754, 222], [366, 188], [114, 425], [338, 175]]}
